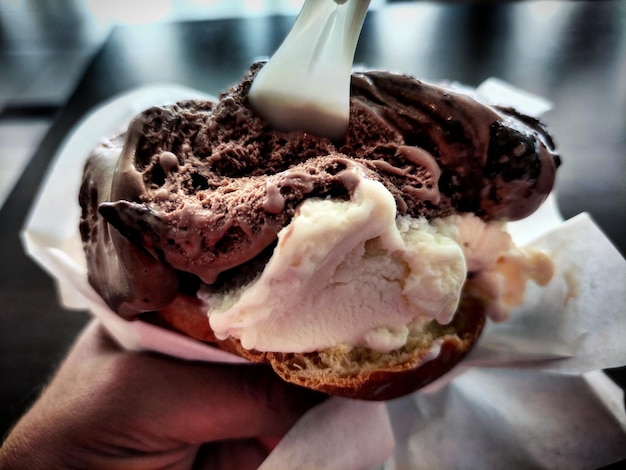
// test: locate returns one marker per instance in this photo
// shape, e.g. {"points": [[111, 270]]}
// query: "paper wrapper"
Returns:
{"points": [[530, 394]]}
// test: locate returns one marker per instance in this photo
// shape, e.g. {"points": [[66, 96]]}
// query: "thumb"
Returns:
{"points": [[194, 402]]}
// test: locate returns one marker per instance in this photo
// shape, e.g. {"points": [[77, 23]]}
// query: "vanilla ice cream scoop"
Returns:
{"points": [[343, 272], [350, 273]]}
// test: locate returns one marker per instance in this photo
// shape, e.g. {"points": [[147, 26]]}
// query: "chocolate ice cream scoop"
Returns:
{"points": [[202, 187]]}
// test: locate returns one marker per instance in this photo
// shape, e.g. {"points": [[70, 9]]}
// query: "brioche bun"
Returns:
{"points": [[357, 372]]}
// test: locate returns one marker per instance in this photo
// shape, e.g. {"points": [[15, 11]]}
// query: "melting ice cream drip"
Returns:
{"points": [[306, 84]]}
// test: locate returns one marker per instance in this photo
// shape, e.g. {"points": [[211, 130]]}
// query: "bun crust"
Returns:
{"points": [[358, 372]]}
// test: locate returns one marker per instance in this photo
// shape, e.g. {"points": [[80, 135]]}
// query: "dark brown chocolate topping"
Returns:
{"points": [[128, 278], [494, 161], [202, 187]]}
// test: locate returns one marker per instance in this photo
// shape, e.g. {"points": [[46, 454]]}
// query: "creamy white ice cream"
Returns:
{"points": [[351, 273]]}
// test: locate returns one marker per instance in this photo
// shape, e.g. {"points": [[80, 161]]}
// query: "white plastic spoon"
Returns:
{"points": [[306, 84]]}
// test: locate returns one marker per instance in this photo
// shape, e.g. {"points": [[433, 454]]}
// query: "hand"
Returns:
{"points": [[110, 408]]}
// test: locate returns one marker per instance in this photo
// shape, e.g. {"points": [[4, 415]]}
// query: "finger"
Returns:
{"points": [[241, 454], [196, 401], [229, 402]]}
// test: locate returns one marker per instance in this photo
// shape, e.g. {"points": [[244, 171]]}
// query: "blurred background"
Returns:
{"points": [[45, 46], [572, 52]]}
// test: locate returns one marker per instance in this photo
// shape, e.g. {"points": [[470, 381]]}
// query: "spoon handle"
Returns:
{"points": [[306, 84]]}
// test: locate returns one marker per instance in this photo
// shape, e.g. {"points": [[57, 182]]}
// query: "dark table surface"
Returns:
{"points": [[573, 53]]}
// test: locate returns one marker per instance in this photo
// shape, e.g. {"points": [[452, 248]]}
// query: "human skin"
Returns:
{"points": [[110, 408]]}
